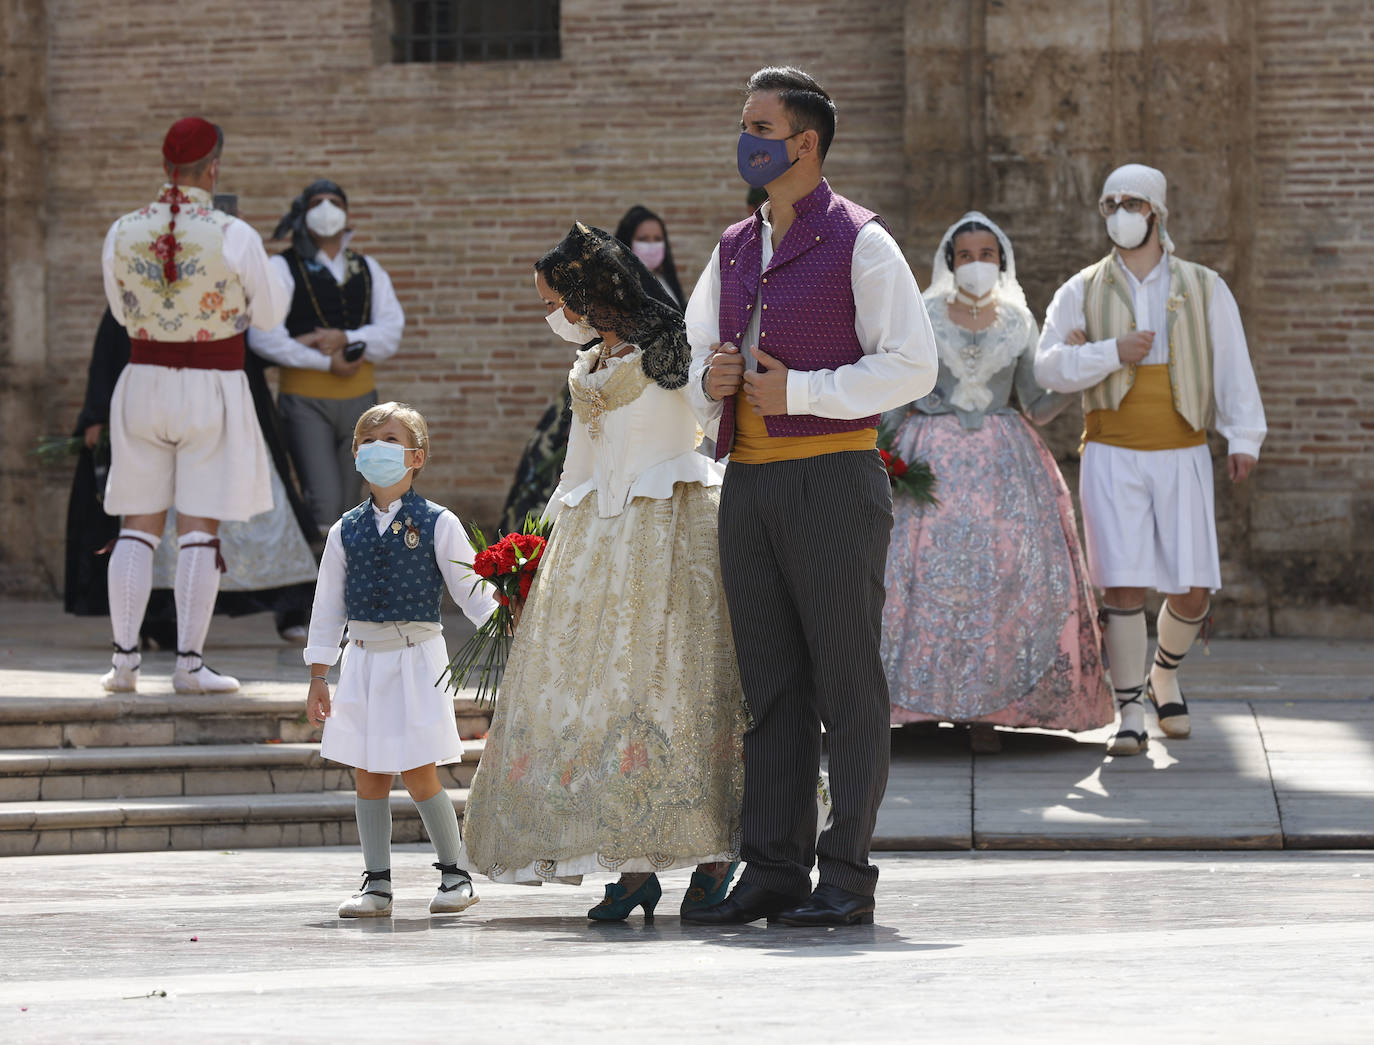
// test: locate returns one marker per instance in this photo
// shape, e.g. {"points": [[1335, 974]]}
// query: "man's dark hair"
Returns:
{"points": [[808, 107]]}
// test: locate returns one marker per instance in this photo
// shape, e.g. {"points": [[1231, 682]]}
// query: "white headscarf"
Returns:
{"points": [[1146, 183], [942, 283], [971, 391]]}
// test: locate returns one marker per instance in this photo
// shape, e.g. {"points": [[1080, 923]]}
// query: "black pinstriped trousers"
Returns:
{"points": [[803, 548]]}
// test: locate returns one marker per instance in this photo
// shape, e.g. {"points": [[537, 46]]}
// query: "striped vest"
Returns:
{"points": [[1110, 312]]}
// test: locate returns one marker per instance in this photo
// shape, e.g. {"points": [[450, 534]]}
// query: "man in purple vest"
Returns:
{"points": [[805, 326]]}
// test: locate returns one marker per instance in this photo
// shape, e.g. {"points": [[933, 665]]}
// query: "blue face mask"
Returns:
{"points": [[762, 159], [382, 464]]}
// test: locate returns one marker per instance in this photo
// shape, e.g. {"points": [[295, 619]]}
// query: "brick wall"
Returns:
{"points": [[1313, 311], [461, 175], [458, 176]]}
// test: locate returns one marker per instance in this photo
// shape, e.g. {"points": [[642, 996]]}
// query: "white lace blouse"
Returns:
{"points": [[629, 438], [980, 371]]}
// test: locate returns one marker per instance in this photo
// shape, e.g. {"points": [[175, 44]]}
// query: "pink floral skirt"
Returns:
{"points": [[989, 614]]}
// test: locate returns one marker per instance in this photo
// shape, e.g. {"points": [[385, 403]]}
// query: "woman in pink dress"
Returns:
{"points": [[990, 620]]}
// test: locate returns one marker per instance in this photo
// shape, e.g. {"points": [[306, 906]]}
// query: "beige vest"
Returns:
{"points": [[207, 301], [1110, 312]]}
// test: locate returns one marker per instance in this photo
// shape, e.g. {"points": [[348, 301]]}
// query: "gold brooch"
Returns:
{"points": [[396, 526], [596, 406]]}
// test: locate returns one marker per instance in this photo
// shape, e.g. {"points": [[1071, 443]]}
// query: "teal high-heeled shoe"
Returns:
{"points": [[703, 891], [618, 903]]}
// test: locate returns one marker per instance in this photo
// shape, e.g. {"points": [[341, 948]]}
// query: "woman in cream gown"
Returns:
{"points": [[616, 742]]}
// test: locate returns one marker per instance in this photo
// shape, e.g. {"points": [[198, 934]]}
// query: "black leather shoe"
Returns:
{"points": [[830, 905], [747, 903]]}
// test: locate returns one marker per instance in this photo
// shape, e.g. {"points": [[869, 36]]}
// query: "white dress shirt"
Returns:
{"points": [[268, 298], [1068, 368], [900, 362], [382, 333], [451, 548]]}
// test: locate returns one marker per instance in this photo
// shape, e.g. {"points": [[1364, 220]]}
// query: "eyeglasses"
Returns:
{"points": [[1130, 204]]}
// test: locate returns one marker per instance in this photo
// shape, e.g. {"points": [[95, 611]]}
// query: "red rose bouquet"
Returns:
{"points": [[509, 566], [915, 479]]}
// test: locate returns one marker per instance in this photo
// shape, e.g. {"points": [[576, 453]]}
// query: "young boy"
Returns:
{"points": [[384, 569]]}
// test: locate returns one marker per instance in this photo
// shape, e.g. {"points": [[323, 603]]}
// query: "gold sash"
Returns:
{"points": [[1146, 418]]}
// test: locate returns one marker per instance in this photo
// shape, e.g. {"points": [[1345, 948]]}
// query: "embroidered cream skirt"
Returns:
{"points": [[616, 742]]}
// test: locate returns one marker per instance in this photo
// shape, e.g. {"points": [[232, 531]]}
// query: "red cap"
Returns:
{"points": [[189, 141]]}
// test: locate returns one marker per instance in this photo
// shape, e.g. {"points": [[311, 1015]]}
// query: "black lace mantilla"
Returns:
{"points": [[602, 279]]}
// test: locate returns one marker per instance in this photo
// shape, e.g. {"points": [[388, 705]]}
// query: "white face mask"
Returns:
{"points": [[577, 333], [649, 252], [1127, 230], [326, 218], [977, 277]]}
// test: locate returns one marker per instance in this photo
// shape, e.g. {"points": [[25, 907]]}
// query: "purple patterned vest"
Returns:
{"points": [[808, 299]]}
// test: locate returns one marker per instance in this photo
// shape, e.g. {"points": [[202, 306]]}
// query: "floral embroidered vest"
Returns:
{"points": [[392, 575], [807, 297], [1109, 312], [206, 302]]}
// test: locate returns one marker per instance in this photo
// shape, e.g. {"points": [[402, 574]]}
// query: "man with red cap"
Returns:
{"points": [[186, 280]]}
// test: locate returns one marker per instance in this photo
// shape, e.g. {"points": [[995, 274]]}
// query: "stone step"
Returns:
{"points": [[261, 713], [68, 774], [197, 822]]}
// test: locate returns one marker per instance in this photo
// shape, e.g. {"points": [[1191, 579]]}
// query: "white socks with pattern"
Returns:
{"points": [[197, 584], [1176, 637], [130, 580], [1127, 645]]}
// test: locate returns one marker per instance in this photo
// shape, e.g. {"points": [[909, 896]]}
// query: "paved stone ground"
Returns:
{"points": [[1282, 754], [969, 947]]}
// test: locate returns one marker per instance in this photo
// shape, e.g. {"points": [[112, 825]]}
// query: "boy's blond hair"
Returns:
{"points": [[376, 416]]}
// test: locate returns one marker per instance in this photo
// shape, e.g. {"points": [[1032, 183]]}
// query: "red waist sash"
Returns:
{"points": [[190, 355]]}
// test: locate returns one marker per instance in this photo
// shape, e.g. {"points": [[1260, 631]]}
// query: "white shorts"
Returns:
{"points": [[187, 439], [390, 710], [1148, 518]]}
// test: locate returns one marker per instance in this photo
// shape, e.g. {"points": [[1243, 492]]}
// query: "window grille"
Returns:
{"points": [[474, 30]]}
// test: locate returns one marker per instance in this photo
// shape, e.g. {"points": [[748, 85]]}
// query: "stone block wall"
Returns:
{"points": [[1257, 112], [461, 175]]}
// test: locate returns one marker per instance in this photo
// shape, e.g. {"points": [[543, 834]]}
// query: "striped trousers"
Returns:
{"points": [[803, 547]]}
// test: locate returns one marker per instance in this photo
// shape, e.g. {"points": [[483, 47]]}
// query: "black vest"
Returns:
{"points": [[320, 302]]}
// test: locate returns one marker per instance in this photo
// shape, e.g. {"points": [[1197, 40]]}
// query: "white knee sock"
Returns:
{"points": [[1176, 637], [130, 580], [1127, 645], [197, 583]]}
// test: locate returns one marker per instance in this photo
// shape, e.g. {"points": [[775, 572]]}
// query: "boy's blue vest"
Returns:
{"points": [[387, 580]]}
